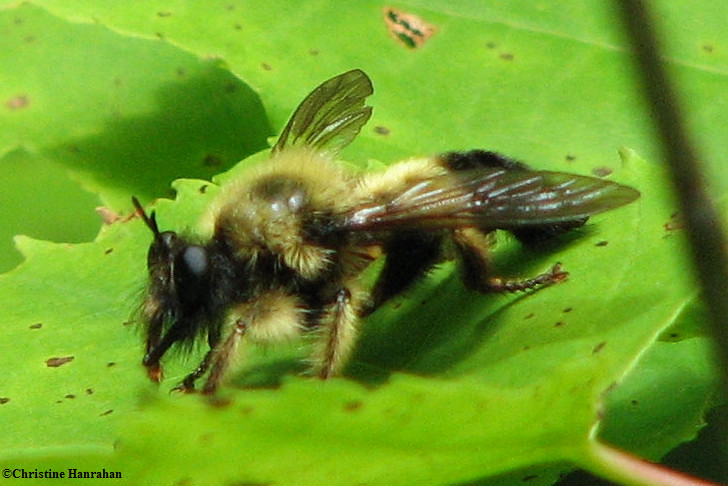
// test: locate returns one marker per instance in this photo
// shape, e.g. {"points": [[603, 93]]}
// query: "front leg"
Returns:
{"points": [[188, 384], [219, 358], [273, 316]]}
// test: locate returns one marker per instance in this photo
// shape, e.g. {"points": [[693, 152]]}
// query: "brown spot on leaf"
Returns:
{"points": [[353, 406], [380, 130], [246, 410], [406, 28], [110, 364], [56, 362], [599, 347], [266, 66], [212, 160], [506, 56], [207, 437], [570, 157], [108, 251], [89, 391], [104, 414], [601, 171], [17, 102], [676, 222], [4, 400], [218, 402], [203, 189], [567, 310], [165, 13], [70, 396], [602, 243], [37, 325]]}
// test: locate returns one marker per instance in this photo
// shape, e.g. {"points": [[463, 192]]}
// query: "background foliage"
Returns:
{"points": [[100, 101]]}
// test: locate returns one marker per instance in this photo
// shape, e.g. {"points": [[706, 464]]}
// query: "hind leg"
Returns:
{"points": [[472, 245]]}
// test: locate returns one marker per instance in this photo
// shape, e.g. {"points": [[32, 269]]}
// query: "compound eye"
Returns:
{"points": [[195, 258]]}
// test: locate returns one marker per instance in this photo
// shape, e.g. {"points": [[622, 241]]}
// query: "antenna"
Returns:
{"points": [[150, 221]]}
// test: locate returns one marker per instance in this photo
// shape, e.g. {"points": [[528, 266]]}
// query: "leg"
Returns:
{"points": [[408, 258], [498, 284], [273, 316], [338, 334], [188, 384], [472, 245], [219, 357]]}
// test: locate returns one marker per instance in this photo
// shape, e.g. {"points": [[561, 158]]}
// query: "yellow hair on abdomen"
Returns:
{"points": [[391, 181]]}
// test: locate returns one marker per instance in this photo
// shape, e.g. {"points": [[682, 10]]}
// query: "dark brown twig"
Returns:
{"points": [[705, 234]]}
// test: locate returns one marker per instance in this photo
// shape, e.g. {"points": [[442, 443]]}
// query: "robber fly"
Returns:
{"points": [[291, 237]]}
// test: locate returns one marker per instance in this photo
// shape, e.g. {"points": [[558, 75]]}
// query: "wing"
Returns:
{"points": [[331, 116], [491, 198]]}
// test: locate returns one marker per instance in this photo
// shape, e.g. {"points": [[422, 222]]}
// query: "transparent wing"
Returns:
{"points": [[492, 198], [331, 116]]}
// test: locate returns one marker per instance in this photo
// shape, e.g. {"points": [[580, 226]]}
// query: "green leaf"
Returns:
{"points": [[446, 386], [129, 115]]}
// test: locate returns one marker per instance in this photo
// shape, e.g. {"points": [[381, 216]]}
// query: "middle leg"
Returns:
{"points": [[409, 256]]}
